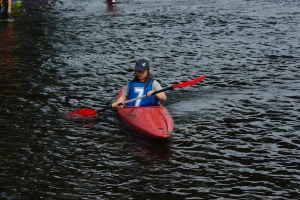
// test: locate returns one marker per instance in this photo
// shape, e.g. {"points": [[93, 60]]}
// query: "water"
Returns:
{"points": [[236, 134]]}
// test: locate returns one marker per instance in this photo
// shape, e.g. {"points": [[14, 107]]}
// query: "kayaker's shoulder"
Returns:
{"points": [[156, 85]]}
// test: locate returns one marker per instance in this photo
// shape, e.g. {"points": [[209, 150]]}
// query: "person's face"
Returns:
{"points": [[141, 75]]}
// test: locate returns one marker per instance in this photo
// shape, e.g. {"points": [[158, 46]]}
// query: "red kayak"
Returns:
{"points": [[154, 122]]}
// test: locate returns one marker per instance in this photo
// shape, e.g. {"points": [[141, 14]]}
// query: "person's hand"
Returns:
{"points": [[149, 93], [115, 104]]}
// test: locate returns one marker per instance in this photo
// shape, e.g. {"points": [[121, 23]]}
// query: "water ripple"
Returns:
{"points": [[236, 134]]}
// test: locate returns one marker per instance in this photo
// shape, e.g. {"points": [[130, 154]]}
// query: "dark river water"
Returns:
{"points": [[236, 134]]}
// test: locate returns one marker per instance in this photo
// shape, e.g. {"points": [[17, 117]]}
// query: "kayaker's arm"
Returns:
{"points": [[159, 93], [120, 100], [160, 96]]}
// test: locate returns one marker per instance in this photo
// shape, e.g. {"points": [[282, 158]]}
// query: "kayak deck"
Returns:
{"points": [[153, 121]]}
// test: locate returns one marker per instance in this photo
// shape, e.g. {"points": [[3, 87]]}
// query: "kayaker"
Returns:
{"points": [[142, 84]]}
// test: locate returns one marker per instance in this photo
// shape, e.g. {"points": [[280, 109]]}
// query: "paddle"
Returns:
{"points": [[89, 113]]}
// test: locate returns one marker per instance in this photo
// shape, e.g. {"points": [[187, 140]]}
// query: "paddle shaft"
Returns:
{"points": [[179, 85]]}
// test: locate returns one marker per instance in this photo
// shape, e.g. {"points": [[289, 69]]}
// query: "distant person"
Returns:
{"points": [[112, 1], [112, 5], [3, 9]]}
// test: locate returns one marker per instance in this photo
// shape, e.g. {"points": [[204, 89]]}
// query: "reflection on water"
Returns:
{"points": [[236, 134]]}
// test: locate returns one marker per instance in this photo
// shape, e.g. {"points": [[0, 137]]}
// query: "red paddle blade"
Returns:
{"points": [[189, 83], [82, 113]]}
